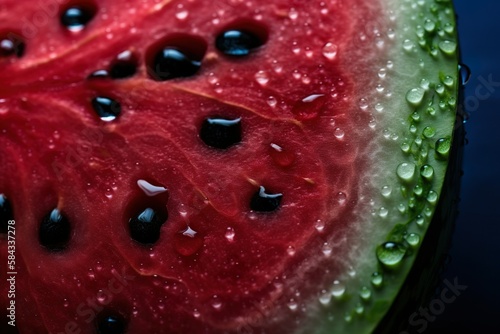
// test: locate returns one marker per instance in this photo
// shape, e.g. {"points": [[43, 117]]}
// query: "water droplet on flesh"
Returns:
{"points": [[149, 189]]}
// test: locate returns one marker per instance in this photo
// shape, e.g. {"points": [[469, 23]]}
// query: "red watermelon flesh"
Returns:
{"points": [[322, 121]]}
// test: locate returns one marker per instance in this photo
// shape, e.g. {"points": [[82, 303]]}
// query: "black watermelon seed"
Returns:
{"points": [[264, 202], [123, 69], [110, 323], [6, 213], [55, 231], [75, 18], [107, 109], [171, 63], [11, 45], [237, 43], [221, 133], [124, 66], [145, 227]]}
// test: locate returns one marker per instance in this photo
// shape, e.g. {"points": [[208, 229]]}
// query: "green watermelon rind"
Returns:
{"points": [[425, 47]]}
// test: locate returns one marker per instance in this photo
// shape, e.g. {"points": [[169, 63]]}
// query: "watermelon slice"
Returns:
{"points": [[221, 167]]}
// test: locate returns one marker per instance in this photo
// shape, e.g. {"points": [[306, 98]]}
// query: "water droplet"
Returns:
{"points": [[338, 289], [230, 234], [386, 191], [418, 190], [427, 172], [443, 147], [271, 101], [390, 254], [379, 107], [182, 15], [380, 88], [319, 225], [412, 239], [415, 96], [465, 73], [330, 50], [448, 81], [448, 47], [359, 309], [293, 14], [187, 242], [149, 189], [405, 147], [65, 303], [383, 212], [425, 84], [382, 73], [309, 107], [341, 198], [365, 293], [429, 25], [216, 303], [363, 104], [420, 220], [406, 171], [377, 279], [262, 78], [408, 45], [325, 297], [290, 250], [326, 249], [432, 197], [280, 156], [429, 132], [292, 305], [196, 313], [339, 133]]}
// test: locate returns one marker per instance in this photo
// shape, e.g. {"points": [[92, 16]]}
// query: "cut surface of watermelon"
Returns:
{"points": [[219, 167]]}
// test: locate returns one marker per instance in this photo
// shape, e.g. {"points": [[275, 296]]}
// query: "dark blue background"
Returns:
{"points": [[475, 252]]}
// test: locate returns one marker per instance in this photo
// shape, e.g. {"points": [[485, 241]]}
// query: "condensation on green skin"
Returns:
{"points": [[408, 180]]}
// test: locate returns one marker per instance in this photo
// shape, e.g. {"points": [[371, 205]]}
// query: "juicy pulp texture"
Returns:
{"points": [[335, 115]]}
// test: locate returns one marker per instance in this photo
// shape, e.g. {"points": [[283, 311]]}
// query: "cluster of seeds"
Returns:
{"points": [[171, 60]]}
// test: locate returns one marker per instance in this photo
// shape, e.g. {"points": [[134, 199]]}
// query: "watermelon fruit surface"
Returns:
{"points": [[218, 166]]}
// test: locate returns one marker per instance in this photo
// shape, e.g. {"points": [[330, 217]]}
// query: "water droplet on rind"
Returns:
{"points": [[365, 293], [412, 239], [415, 96], [338, 289], [448, 47], [406, 171], [427, 172], [443, 146], [390, 254], [377, 279]]}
